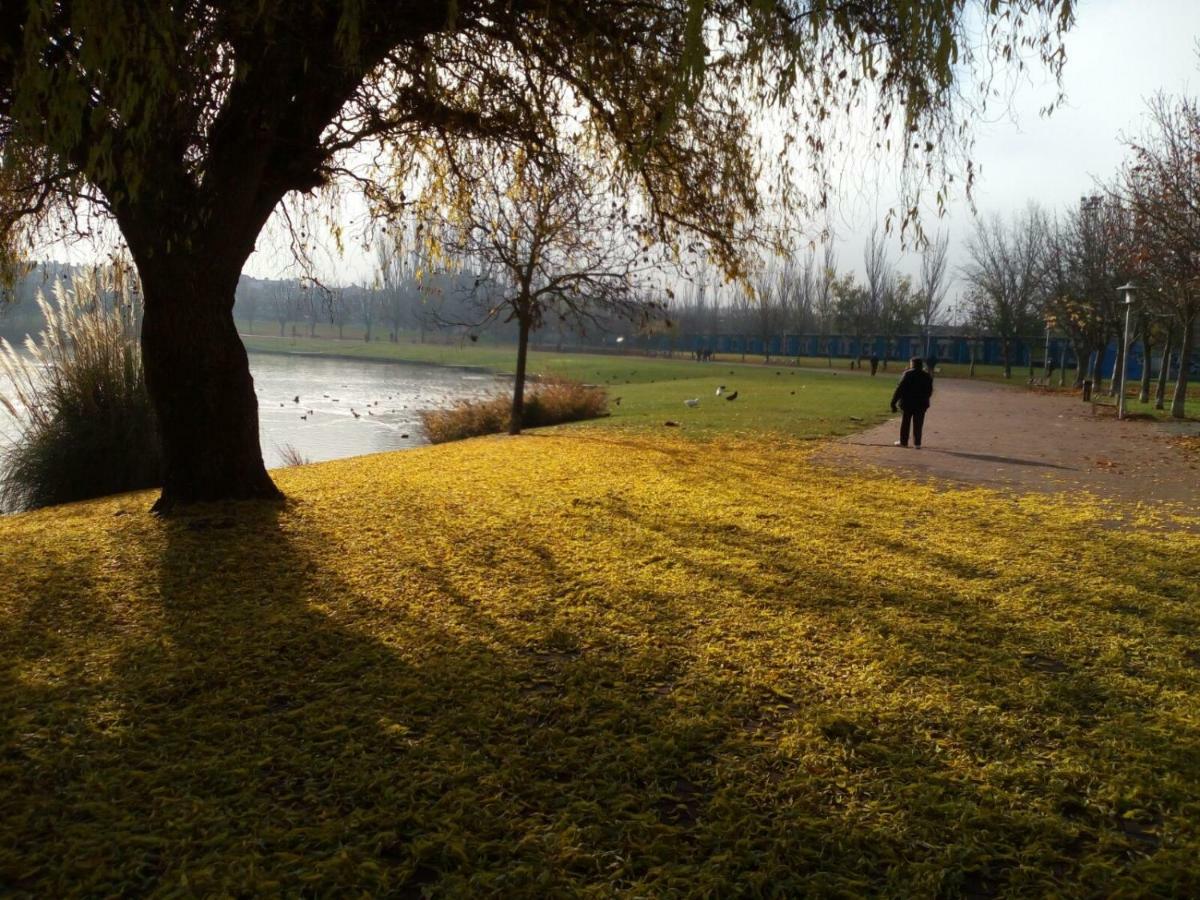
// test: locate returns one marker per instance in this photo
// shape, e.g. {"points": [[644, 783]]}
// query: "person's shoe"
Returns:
{"points": [[917, 446], [898, 444]]}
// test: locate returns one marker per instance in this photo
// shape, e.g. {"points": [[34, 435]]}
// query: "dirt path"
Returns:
{"points": [[998, 436]]}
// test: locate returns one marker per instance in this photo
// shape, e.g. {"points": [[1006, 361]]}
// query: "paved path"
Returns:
{"points": [[999, 436]]}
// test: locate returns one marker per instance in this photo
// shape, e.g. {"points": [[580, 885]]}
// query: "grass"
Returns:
{"points": [[550, 401], [587, 662], [646, 393]]}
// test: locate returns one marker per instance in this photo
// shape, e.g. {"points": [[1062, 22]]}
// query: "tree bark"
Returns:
{"points": [[518, 401], [1179, 401], [1164, 368], [1114, 381], [1147, 351], [1006, 349], [199, 380]]}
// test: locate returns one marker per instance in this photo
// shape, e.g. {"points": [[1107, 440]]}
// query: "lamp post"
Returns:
{"points": [[1046, 353], [1128, 290]]}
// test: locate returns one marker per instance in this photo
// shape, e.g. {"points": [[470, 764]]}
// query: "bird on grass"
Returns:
{"points": [[617, 401], [732, 396], [692, 402], [720, 389]]}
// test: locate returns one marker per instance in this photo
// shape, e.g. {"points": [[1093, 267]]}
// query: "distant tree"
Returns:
{"points": [[366, 305], [284, 303], [932, 287], [1006, 271], [825, 301], [900, 310], [546, 237], [880, 282], [190, 122], [1161, 186], [855, 317]]}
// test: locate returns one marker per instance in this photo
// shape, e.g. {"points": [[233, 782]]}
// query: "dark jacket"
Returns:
{"points": [[914, 390]]}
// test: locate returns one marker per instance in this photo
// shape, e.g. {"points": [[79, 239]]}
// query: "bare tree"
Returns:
{"points": [[932, 287], [1161, 185], [546, 236], [881, 277], [824, 299], [1006, 275]]}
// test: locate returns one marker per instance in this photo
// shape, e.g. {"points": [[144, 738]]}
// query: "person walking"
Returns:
{"points": [[912, 394]]}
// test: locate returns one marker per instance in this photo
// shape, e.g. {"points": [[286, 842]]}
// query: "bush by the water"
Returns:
{"points": [[548, 402], [78, 393]]}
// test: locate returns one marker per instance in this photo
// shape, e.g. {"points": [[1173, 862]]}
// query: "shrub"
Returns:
{"points": [[549, 402], [290, 456], [78, 394]]}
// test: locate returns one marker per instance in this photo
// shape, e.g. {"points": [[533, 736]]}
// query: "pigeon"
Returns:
{"points": [[403, 436], [304, 418], [671, 423], [732, 396], [720, 389], [296, 399], [617, 401], [692, 403], [356, 415]]}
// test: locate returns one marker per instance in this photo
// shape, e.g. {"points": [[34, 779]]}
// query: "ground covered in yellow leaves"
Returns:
{"points": [[587, 662]]}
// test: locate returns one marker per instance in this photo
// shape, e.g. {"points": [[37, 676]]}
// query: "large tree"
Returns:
{"points": [[189, 122], [1161, 186], [1006, 271]]}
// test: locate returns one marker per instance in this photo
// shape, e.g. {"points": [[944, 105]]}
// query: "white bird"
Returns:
{"points": [[693, 402], [720, 390]]}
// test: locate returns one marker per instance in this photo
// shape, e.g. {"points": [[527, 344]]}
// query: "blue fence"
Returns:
{"points": [[950, 349]]}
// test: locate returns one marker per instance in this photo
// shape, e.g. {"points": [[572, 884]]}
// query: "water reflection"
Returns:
{"points": [[348, 407], [332, 408]]}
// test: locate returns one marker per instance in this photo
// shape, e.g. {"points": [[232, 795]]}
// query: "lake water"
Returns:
{"points": [[346, 407]]}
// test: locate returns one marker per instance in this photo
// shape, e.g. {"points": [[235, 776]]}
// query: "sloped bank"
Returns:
{"points": [[598, 661]]}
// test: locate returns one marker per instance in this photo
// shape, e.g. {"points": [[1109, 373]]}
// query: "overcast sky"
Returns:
{"points": [[1119, 54]]}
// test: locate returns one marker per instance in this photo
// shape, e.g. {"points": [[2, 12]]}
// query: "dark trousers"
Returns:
{"points": [[917, 419]]}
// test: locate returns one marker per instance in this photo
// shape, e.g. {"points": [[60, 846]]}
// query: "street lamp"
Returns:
{"points": [[1128, 290]]}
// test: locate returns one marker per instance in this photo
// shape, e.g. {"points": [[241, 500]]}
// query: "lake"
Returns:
{"points": [[346, 407]]}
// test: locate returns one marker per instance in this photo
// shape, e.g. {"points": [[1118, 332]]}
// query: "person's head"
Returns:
{"points": [[916, 363]]}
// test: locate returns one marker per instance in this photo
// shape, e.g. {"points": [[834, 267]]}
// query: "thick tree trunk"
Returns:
{"points": [[1179, 401], [199, 381], [1164, 369], [1144, 388], [518, 402]]}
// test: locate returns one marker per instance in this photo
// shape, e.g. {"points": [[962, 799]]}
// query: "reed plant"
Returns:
{"points": [[551, 401], [85, 426]]}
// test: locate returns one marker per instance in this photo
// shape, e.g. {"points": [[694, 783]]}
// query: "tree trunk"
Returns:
{"points": [[518, 402], [199, 380], [282, 325], [971, 372], [1147, 351], [1006, 350], [1179, 401], [1114, 383], [1164, 368]]}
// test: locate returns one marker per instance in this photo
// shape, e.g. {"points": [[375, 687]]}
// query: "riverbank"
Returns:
{"points": [[647, 393], [602, 662]]}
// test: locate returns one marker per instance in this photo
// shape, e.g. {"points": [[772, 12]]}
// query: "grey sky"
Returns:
{"points": [[1120, 53]]}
